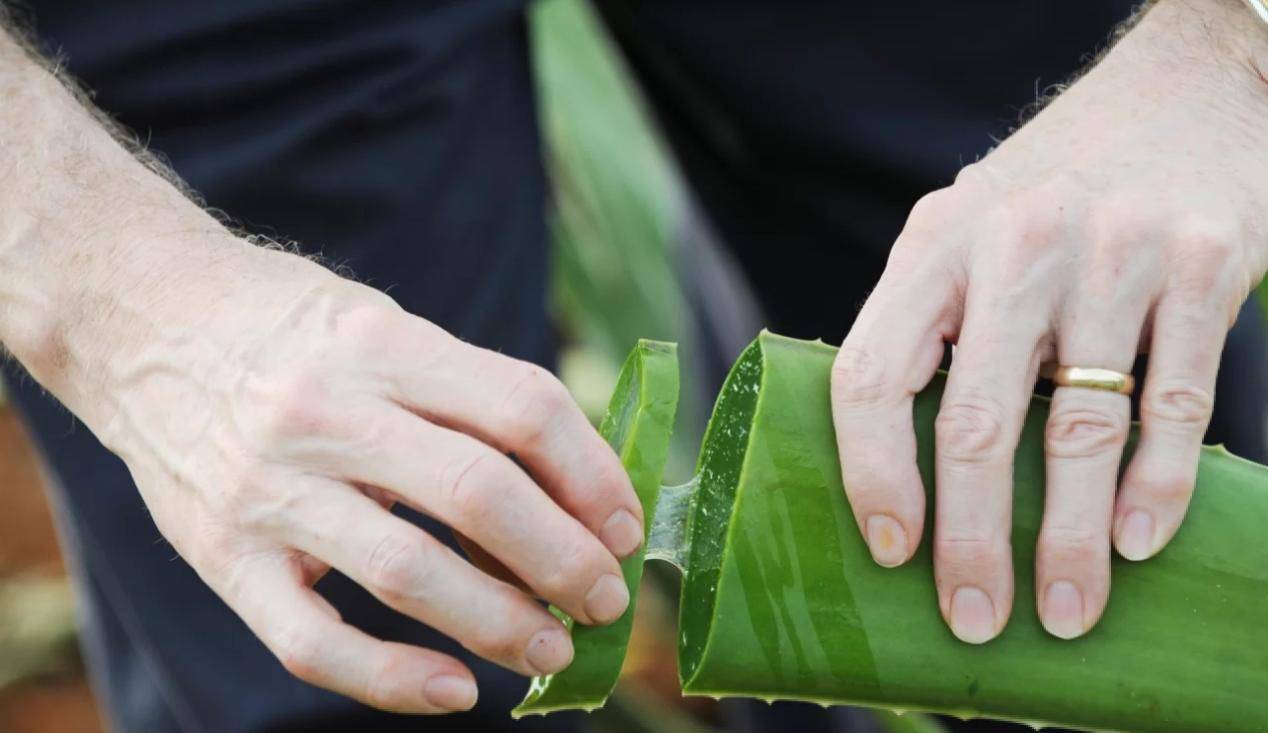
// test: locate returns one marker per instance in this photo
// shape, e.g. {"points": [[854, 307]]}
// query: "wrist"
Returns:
{"points": [[97, 248], [1216, 48]]}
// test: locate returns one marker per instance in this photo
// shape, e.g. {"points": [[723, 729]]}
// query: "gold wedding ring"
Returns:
{"points": [[1089, 378]]}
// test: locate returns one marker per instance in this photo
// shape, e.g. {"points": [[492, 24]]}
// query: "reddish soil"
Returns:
{"points": [[61, 704]]}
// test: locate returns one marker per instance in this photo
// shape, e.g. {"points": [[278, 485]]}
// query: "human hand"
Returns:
{"points": [[269, 425], [269, 411], [1127, 216]]}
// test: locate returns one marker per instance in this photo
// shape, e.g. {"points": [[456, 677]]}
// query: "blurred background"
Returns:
{"points": [[624, 228]]}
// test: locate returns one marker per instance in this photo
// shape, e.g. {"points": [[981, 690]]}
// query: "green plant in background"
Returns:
{"points": [[37, 629], [617, 203], [617, 200], [616, 197], [638, 425], [781, 599]]}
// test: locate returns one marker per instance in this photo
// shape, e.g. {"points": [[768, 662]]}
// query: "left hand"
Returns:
{"points": [[1130, 215]]}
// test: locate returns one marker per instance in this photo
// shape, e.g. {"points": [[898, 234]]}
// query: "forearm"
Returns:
{"points": [[99, 250], [1222, 36]]}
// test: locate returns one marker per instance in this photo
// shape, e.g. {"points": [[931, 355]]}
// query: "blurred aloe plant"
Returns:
{"points": [[616, 194], [618, 201], [37, 627]]}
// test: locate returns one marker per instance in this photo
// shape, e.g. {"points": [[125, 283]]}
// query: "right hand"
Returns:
{"points": [[270, 426]]}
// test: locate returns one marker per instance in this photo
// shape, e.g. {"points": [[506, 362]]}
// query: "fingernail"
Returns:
{"points": [[607, 599], [887, 540], [622, 533], [972, 615], [451, 693], [1136, 535], [549, 651], [1062, 613]]}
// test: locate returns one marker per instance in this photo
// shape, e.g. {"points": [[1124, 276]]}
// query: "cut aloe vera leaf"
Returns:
{"points": [[638, 424], [781, 599]]}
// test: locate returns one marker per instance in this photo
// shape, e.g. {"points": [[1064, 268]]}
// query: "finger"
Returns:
{"points": [[523, 409], [1083, 444], [891, 353], [305, 633], [485, 496], [314, 569], [977, 429], [1175, 408], [415, 574]]}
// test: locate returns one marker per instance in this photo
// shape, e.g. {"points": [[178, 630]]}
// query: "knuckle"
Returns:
{"points": [[859, 377], [611, 488], [1180, 404], [383, 685], [609, 475], [260, 502], [299, 651], [976, 177], [872, 490], [1073, 543], [1032, 220], [1211, 236], [935, 207], [565, 575], [398, 565], [972, 428], [219, 559], [295, 405], [369, 328], [497, 641], [1202, 280], [966, 551], [1162, 487], [1208, 259], [532, 405], [466, 488], [1082, 432]]}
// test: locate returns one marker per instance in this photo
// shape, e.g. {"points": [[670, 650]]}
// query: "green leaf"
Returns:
{"points": [[615, 193], [781, 600], [638, 424], [799, 610], [892, 722]]}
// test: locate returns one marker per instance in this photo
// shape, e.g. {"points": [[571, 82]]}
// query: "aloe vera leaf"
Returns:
{"points": [[781, 598], [892, 722], [638, 424]]}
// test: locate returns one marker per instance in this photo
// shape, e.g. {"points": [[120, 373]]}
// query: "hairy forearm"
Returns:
{"points": [[100, 248], [80, 221], [1222, 35]]}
